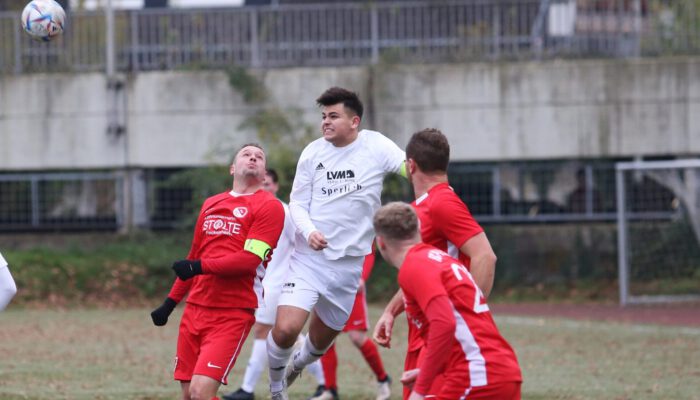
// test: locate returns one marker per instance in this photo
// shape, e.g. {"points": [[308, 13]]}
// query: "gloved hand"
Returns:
{"points": [[160, 315], [186, 269]]}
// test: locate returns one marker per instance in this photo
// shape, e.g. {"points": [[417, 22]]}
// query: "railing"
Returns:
{"points": [[357, 34]]}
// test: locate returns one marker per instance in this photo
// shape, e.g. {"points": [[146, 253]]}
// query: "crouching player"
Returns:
{"points": [[444, 304]]}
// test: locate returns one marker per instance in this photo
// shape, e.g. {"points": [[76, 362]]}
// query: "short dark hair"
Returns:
{"points": [[336, 95], [246, 145], [273, 175], [430, 149], [396, 221]]}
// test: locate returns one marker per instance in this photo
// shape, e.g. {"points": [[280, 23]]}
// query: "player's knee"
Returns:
{"points": [[261, 330], [285, 335], [357, 338], [200, 392]]}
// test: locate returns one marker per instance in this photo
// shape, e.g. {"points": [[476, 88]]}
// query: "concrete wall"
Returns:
{"points": [[509, 111]]}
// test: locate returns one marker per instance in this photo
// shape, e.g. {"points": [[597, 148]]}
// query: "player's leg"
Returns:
{"points": [[298, 296], [223, 333], [319, 338], [331, 312], [188, 342], [265, 317], [203, 387], [289, 323], [316, 370], [256, 363], [356, 328], [329, 362]]}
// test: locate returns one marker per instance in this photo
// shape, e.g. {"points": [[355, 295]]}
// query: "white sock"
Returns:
{"points": [[307, 354], [277, 359], [256, 364], [316, 370]]}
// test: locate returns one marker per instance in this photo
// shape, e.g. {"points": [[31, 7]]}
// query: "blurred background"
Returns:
{"points": [[573, 124]]}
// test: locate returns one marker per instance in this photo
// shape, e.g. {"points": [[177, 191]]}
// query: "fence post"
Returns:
{"points": [[34, 187], [622, 268], [134, 41], [254, 45], [374, 26], [18, 46]]}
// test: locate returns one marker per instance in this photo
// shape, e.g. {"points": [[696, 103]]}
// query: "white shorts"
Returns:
{"points": [[326, 286], [267, 312]]}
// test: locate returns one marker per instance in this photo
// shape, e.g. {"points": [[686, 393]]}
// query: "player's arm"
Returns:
{"points": [[385, 323], [180, 287], [423, 284], [262, 238], [483, 261], [459, 226], [439, 343], [393, 158], [300, 203]]}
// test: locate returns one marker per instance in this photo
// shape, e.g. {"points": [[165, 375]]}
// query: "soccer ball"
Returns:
{"points": [[43, 19]]}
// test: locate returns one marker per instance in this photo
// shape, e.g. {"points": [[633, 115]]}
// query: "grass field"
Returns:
{"points": [[119, 354]]}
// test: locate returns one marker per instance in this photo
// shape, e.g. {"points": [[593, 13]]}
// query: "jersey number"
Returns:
{"points": [[460, 270]]}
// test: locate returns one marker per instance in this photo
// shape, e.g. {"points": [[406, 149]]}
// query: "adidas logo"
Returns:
{"points": [[320, 167]]}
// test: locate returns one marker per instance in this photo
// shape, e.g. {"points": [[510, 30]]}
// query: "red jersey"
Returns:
{"points": [[478, 351], [225, 222], [446, 223]]}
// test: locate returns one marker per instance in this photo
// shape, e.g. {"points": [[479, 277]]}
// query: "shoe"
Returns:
{"points": [[239, 394], [384, 389], [330, 394], [319, 389], [292, 373], [281, 395]]}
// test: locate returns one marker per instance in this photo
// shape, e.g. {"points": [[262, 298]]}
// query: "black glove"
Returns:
{"points": [[186, 269], [160, 315]]}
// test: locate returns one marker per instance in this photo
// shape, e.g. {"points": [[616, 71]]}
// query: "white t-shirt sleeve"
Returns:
{"points": [[7, 284], [300, 197], [390, 155]]}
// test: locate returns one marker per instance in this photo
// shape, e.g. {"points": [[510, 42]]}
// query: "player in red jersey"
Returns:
{"points": [[447, 308], [446, 223], [233, 240], [356, 328]]}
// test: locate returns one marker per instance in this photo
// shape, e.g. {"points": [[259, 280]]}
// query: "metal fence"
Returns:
{"points": [[356, 34], [61, 201], [527, 192]]}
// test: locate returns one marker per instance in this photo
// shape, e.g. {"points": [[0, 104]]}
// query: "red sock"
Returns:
{"points": [[371, 355], [329, 362]]}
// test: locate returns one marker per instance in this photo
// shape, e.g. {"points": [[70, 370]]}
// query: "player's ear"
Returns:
{"points": [[381, 244], [355, 122], [411, 165], [232, 168]]}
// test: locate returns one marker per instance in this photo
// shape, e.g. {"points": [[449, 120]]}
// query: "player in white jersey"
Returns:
{"points": [[336, 190], [275, 274], [7, 284]]}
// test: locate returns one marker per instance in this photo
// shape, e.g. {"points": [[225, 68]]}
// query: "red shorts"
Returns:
{"points": [[210, 340], [412, 361], [453, 389], [357, 321]]}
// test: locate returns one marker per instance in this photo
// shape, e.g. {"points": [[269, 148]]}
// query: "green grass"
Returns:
{"points": [[119, 354]]}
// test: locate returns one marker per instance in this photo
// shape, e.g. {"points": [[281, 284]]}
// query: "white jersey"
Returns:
{"points": [[7, 284], [337, 190], [278, 266]]}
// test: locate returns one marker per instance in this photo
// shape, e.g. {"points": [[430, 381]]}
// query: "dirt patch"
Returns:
{"points": [[685, 314]]}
